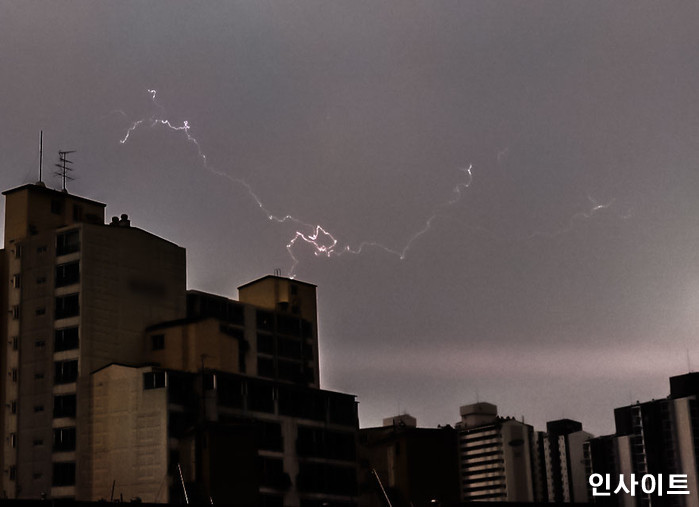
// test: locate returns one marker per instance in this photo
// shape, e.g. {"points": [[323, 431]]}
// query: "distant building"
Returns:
{"points": [[560, 451], [496, 456], [410, 466], [119, 381], [654, 437]]}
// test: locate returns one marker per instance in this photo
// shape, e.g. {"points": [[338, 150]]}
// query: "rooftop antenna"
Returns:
{"points": [[277, 272], [63, 166], [41, 153]]}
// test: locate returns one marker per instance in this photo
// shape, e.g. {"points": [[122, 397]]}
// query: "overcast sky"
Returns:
{"points": [[558, 278]]}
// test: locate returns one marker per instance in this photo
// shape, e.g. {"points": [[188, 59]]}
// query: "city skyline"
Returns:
{"points": [[550, 148]]}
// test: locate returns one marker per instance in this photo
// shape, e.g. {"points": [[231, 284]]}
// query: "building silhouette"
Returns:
{"points": [[121, 383], [562, 476], [408, 466], [657, 437]]}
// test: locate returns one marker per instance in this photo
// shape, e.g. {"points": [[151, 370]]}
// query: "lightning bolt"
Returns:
{"points": [[320, 239]]}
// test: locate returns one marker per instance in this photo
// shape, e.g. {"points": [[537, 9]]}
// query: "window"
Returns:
{"points": [[13, 440], [265, 343], [13, 472], [77, 213], [67, 306], [67, 274], [64, 439], [14, 374], [157, 342], [38, 441], [68, 242], [56, 207], [40, 280], [154, 380], [15, 312], [66, 339], [18, 251], [15, 342], [40, 343], [13, 407], [38, 408], [64, 474], [66, 371], [64, 405], [16, 280], [265, 367], [42, 249], [38, 376], [40, 311]]}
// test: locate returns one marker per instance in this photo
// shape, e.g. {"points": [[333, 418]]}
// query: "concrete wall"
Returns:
{"points": [[128, 433]]}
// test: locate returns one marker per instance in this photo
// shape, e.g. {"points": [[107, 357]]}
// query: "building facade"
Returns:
{"points": [[88, 304], [496, 459]]}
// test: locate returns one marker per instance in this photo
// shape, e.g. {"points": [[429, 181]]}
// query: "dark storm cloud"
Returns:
{"points": [[562, 282]]}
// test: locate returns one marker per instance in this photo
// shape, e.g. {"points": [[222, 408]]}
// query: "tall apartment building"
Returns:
{"points": [[495, 454], [654, 437], [561, 456], [89, 305]]}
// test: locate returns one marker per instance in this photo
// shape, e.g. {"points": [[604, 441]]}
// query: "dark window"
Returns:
{"points": [[230, 392], [18, 251], [77, 213], [269, 436], [287, 324], [56, 207], [16, 280], [342, 410], [272, 473], [38, 376], [265, 343], [265, 320], [290, 370], [38, 408], [290, 348], [13, 472], [154, 380], [260, 396], [42, 249], [63, 439], [157, 341], [265, 367], [40, 343], [15, 343], [66, 371], [64, 405], [38, 441], [40, 280], [13, 406], [68, 242], [294, 290], [67, 306], [13, 440], [306, 329], [67, 274], [14, 374], [64, 474], [15, 312], [40, 311], [65, 339]]}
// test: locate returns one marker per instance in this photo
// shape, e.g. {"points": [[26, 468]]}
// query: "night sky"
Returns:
{"points": [[521, 178]]}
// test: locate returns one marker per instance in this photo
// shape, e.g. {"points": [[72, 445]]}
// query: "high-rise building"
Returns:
{"points": [[560, 452], [495, 454], [659, 438], [109, 361]]}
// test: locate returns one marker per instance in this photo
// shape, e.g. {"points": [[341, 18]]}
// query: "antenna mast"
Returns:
{"points": [[64, 168], [41, 153]]}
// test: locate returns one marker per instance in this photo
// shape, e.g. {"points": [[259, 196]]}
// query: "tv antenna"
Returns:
{"points": [[64, 167]]}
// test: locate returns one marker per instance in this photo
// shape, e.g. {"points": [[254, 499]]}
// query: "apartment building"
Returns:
{"points": [[90, 307]]}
